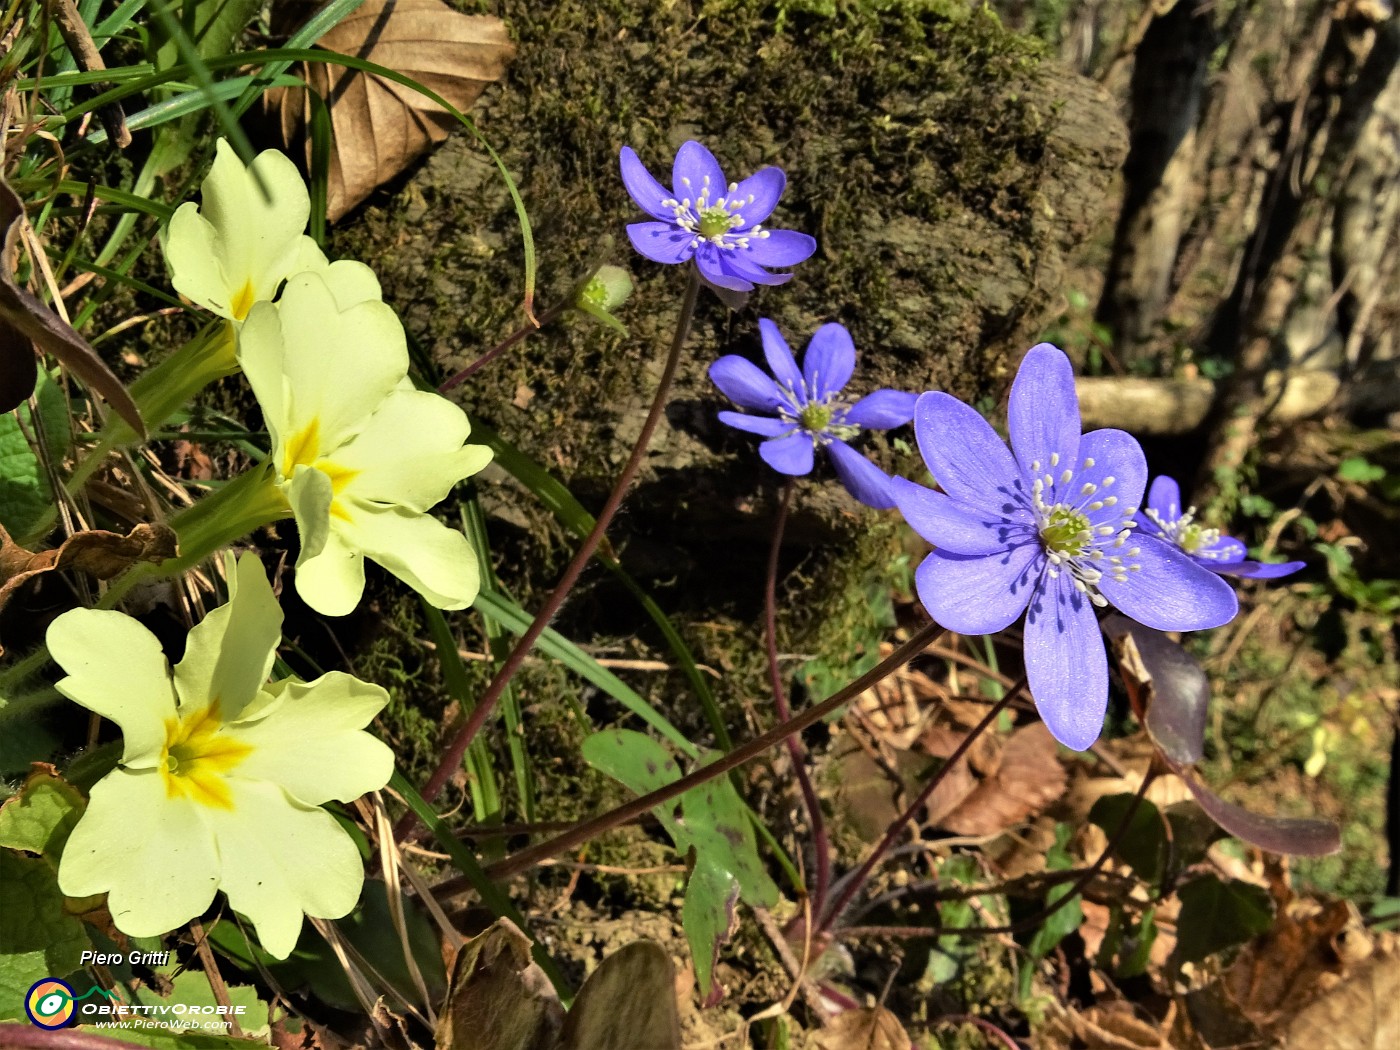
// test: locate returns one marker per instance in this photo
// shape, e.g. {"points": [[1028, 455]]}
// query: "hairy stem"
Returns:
{"points": [[852, 883], [590, 829], [821, 848], [487, 703]]}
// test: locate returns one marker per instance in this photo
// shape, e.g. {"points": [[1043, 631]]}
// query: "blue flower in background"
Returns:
{"points": [[1209, 548], [1046, 527], [719, 224], [803, 409]]}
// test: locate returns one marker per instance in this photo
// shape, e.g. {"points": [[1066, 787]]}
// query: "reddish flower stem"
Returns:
{"points": [[852, 884], [590, 829], [821, 848], [452, 759]]}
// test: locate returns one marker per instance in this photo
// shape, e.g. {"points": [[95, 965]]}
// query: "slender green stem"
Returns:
{"points": [[487, 702], [587, 830]]}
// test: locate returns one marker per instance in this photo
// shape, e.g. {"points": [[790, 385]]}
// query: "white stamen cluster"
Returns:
{"points": [[1185, 532], [1071, 541], [822, 417], [714, 222]]}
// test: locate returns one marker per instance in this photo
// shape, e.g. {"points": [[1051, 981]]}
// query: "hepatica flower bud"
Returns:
{"points": [[222, 775], [802, 410], [1164, 518], [1047, 527], [717, 223]]}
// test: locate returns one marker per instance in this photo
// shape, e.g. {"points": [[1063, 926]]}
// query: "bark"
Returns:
{"points": [[1168, 84], [1317, 148]]}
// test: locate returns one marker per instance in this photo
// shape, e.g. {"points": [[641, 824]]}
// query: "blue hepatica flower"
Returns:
{"points": [[804, 410], [719, 224], [1046, 527], [1210, 548]]}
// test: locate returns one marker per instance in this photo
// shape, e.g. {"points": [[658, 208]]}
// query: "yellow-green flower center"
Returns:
{"points": [[815, 417], [1066, 531], [197, 755], [714, 222], [304, 449]]}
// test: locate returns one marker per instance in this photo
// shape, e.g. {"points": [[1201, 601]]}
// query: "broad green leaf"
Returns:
{"points": [[708, 916], [1216, 914], [1143, 845], [192, 988], [25, 495], [38, 938], [1064, 920], [40, 816], [641, 764], [716, 824]]}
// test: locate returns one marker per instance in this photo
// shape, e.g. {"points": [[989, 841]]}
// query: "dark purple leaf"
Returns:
{"points": [[21, 311], [1171, 684], [1295, 836]]}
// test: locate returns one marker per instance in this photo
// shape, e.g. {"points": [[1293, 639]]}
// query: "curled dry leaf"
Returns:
{"points": [[97, 553], [25, 323], [1169, 692], [380, 127], [873, 1028], [499, 999]]}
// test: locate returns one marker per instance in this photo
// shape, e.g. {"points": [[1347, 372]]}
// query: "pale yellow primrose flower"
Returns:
{"points": [[222, 774], [244, 239], [360, 455]]}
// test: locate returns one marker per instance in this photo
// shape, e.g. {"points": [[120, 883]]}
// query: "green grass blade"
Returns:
{"points": [[188, 102], [491, 894], [552, 643], [474, 526], [571, 514], [486, 790]]}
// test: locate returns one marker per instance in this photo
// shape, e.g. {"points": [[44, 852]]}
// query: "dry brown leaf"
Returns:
{"points": [[97, 553], [380, 126], [1028, 778], [30, 323], [1361, 1013], [874, 1028]]}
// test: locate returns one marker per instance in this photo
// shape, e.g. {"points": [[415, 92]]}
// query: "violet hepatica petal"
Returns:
{"points": [[719, 224], [1046, 526], [804, 409], [1166, 520]]}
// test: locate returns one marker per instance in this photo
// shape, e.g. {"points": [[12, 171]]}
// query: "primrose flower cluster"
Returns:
{"points": [[223, 774], [359, 456], [1053, 527]]}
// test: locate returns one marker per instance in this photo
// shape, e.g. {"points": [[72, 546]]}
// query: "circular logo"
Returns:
{"points": [[49, 1003]]}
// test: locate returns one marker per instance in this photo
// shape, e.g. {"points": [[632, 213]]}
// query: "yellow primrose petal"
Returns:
{"points": [[282, 859], [229, 654], [117, 668], [152, 854], [312, 744], [246, 237], [437, 562], [411, 451], [320, 370]]}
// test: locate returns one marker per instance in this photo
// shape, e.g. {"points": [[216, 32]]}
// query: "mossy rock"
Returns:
{"points": [[946, 171]]}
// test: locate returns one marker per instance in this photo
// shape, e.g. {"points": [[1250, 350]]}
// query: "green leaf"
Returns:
{"points": [[1216, 914], [1359, 469], [641, 764], [191, 988], [1065, 920], [1143, 846], [38, 938], [708, 916], [716, 824], [25, 495], [40, 816]]}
